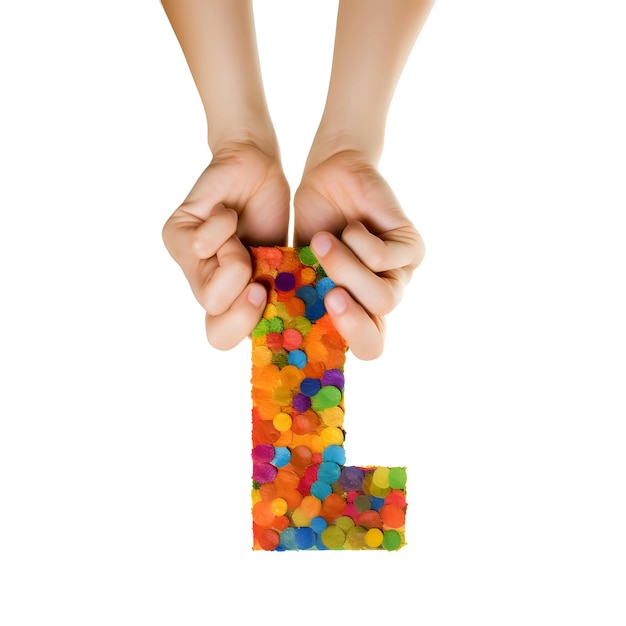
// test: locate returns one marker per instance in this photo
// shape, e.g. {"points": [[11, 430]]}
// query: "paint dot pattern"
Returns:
{"points": [[304, 497]]}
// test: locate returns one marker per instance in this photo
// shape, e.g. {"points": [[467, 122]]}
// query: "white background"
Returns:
{"points": [[124, 437]]}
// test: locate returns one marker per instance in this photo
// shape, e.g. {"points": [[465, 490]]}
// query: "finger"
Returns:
{"points": [[364, 335], [188, 238], [227, 280], [227, 330], [378, 294], [214, 232], [400, 247]]}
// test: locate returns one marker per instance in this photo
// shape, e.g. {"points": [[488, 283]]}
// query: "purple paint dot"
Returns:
{"points": [[285, 281], [301, 403], [351, 478], [334, 378]]}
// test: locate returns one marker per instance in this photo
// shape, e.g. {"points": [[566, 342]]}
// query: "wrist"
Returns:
{"points": [[330, 141], [247, 132]]}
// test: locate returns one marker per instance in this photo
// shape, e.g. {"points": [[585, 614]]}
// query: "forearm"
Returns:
{"points": [[372, 43], [218, 40]]}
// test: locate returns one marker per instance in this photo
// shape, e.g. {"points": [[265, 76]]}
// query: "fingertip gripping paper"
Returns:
{"points": [[304, 496]]}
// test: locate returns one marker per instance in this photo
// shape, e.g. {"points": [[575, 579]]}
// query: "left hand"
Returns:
{"points": [[367, 245]]}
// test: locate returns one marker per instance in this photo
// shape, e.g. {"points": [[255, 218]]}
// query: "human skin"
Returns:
{"points": [[242, 197], [343, 207]]}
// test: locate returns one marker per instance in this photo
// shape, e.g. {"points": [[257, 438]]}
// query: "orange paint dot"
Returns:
{"points": [[300, 458], [307, 275], [265, 376], [369, 519], [332, 507], [293, 498], [268, 491], [286, 479], [261, 356], [281, 522], [310, 506], [295, 307], [314, 369], [264, 432], [267, 539], [304, 423], [392, 515], [285, 440], [397, 497], [262, 514], [290, 376]]}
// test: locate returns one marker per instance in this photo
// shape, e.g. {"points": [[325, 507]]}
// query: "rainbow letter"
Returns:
{"points": [[304, 497]]}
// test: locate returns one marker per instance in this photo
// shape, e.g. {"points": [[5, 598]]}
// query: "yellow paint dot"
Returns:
{"points": [[374, 537], [282, 423], [332, 416], [331, 436], [279, 506], [270, 311], [381, 477]]}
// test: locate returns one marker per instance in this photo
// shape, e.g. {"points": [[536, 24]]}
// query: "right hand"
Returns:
{"points": [[241, 199]]}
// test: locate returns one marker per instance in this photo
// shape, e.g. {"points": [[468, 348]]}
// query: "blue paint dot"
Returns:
{"points": [[297, 358], [282, 456], [319, 524], [324, 286], [316, 310], [321, 490], [307, 294], [305, 538], [376, 502], [334, 453], [310, 386], [328, 472]]}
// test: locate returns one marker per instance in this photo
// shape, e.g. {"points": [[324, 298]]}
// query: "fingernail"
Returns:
{"points": [[256, 295], [336, 302], [322, 245]]}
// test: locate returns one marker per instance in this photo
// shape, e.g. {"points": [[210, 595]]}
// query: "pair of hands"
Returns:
{"points": [[343, 208]]}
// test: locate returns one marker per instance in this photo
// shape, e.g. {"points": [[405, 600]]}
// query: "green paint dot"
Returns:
{"points": [[276, 325], [333, 537], [345, 522], [303, 324], [262, 328], [397, 477], [391, 540], [280, 358], [326, 398], [306, 256]]}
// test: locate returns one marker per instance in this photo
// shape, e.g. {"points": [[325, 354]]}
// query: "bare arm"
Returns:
{"points": [[343, 206], [218, 40], [372, 43], [242, 197]]}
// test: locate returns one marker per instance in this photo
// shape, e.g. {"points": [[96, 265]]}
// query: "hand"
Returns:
{"points": [[241, 199], [364, 241]]}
